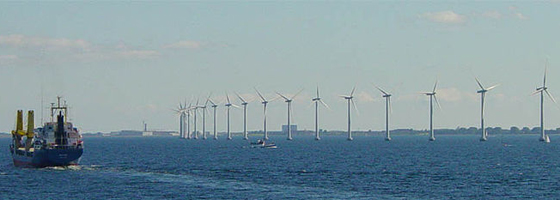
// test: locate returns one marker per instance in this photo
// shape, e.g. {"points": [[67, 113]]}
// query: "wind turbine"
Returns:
{"points": [[542, 90], [214, 106], [432, 96], [264, 102], [387, 97], [244, 103], [482, 92], [350, 100], [289, 101], [316, 100], [181, 111], [228, 105]]}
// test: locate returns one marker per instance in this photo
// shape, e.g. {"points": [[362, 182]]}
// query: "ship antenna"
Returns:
{"points": [[42, 104], [52, 112]]}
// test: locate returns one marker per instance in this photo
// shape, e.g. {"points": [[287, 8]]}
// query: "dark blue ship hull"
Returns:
{"points": [[47, 157]]}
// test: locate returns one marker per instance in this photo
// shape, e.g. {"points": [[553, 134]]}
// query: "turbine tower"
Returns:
{"points": [[228, 105], [542, 90], [387, 97], [188, 111], [482, 92], [289, 101], [214, 106], [264, 102], [244, 103], [204, 119], [350, 100], [432, 96], [316, 100], [195, 109]]}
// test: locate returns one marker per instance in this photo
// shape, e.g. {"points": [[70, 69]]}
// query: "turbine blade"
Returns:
{"points": [[295, 95], [260, 95], [317, 91], [324, 104], [344, 96], [479, 84], [355, 107], [212, 102], [227, 97], [544, 79], [492, 87], [353, 90], [390, 106], [536, 92], [550, 95], [382, 91], [240, 98], [435, 86], [284, 97], [437, 102]]}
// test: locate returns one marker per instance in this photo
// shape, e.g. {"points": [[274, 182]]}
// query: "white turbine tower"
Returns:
{"points": [[214, 106], [316, 100], [432, 96], [188, 111], [289, 101], [195, 109], [264, 102], [228, 105], [350, 100], [542, 90], [204, 118], [482, 92], [387, 97], [244, 103]]}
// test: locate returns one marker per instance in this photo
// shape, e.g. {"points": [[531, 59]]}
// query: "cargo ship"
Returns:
{"points": [[57, 143]]}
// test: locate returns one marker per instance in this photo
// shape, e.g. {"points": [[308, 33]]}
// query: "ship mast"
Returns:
{"points": [[58, 107]]}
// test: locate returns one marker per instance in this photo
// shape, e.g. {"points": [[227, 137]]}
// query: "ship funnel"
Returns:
{"points": [[60, 135], [30, 126]]}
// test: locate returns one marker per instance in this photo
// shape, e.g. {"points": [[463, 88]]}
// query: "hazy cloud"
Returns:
{"points": [[454, 94], [138, 54], [446, 17], [520, 16], [7, 59], [63, 49], [185, 44], [42, 42], [364, 97], [492, 14]]}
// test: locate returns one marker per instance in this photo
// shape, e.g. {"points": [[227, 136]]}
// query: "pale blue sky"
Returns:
{"points": [[118, 64]]}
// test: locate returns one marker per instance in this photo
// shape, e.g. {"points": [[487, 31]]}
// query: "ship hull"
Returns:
{"points": [[47, 157]]}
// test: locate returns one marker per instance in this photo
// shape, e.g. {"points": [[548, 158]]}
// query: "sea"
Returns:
{"points": [[408, 167]]}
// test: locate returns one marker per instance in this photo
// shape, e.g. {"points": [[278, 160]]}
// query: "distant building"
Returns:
{"points": [[285, 128]]}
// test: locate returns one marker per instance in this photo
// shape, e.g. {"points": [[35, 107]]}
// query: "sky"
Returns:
{"points": [[118, 64]]}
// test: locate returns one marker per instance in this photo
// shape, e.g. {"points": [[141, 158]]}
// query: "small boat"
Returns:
{"points": [[263, 144], [547, 139]]}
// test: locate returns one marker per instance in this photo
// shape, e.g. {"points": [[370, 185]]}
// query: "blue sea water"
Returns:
{"points": [[409, 167]]}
